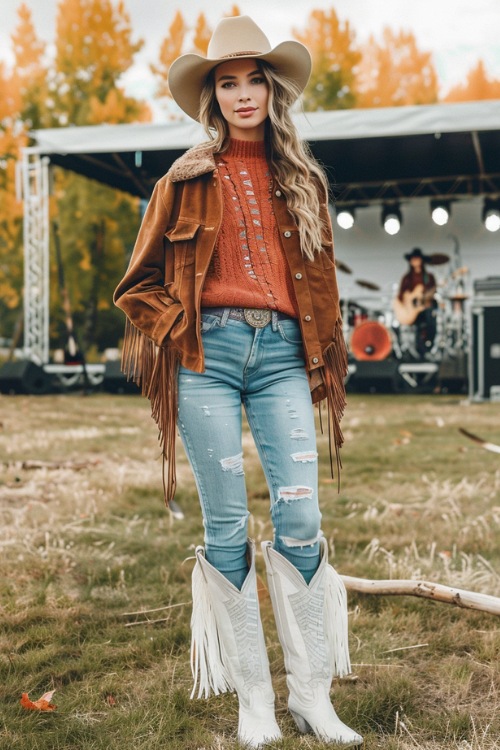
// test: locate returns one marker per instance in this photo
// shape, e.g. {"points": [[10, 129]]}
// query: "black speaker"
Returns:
{"points": [[26, 377], [376, 377], [484, 369], [114, 380], [452, 374]]}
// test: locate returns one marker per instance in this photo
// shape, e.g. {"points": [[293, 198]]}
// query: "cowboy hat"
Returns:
{"points": [[238, 36], [417, 253]]}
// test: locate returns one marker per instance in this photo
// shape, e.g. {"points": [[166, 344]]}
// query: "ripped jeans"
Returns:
{"points": [[263, 369]]}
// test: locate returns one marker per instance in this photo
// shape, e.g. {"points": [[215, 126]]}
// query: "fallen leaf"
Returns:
{"points": [[110, 700], [42, 704]]}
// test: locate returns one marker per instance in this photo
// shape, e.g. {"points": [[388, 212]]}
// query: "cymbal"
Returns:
{"points": [[437, 259], [342, 266], [368, 285], [460, 297]]}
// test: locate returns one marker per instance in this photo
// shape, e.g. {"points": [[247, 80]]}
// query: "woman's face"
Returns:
{"points": [[242, 93]]}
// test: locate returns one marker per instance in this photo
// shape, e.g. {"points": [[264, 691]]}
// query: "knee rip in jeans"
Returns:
{"points": [[234, 464], [295, 492], [304, 457], [289, 541], [299, 434]]}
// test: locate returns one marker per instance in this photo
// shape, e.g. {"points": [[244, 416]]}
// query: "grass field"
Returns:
{"points": [[87, 547]]}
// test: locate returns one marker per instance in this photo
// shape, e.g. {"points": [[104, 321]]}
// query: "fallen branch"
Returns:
{"points": [[53, 465], [493, 447], [425, 590]]}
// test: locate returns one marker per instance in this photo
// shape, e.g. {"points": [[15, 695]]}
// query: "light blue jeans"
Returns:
{"points": [[263, 369]]}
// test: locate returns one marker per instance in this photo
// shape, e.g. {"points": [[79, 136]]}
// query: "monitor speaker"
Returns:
{"points": [[26, 377], [377, 377], [114, 380]]}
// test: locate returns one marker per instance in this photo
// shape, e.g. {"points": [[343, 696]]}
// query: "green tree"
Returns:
{"points": [[335, 57]]}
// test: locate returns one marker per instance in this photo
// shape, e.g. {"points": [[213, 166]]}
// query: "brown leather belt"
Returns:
{"points": [[255, 317]]}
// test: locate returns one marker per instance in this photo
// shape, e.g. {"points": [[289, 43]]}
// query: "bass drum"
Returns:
{"points": [[370, 341]]}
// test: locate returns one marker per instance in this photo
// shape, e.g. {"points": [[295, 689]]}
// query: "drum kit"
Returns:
{"points": [[374, 332]]}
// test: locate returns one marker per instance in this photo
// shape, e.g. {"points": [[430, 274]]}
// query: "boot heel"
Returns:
{"points": [[302, 724]]}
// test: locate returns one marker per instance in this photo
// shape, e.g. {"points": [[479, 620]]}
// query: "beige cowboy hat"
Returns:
{"points": [[237, 36]]}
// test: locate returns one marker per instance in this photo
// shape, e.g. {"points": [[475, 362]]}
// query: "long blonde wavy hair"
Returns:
{"points": [[294, 167]]}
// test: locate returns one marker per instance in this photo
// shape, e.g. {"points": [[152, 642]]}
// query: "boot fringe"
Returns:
{"points": [[208, 661], [336, 622]]}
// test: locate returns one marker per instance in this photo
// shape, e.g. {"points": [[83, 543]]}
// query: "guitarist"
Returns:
{"points": [[415, 303]]}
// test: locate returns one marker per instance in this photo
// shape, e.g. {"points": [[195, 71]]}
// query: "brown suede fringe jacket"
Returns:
{"points": [[161, 293]]}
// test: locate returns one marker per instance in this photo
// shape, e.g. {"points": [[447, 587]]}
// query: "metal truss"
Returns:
{"points": [[34, 181]]}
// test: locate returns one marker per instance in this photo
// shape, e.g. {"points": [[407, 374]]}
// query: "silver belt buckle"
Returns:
{"points": [[257, 318]]}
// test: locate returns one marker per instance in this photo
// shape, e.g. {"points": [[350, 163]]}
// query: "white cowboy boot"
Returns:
{"points": [[312, 627], [228, 651]]}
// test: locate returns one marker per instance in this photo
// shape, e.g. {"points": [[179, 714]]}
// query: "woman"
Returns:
{"points": [[416, 303], [231, 299]]}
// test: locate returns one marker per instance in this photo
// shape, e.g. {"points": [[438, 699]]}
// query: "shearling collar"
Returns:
{"points": [[193, 163]]}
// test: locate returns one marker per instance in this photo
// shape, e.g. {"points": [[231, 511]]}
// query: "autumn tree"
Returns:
{"points": [[79, 85], [335, 57], [11, 138], [94, 48], [477, 86], [30, 72], [395, 72], [202, 34], [171, 47], [23, 95], [235, 11], [177, 43]]}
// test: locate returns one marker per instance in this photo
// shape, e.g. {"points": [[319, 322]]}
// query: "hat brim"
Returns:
{"points": [[188, 73], [423, 258]]}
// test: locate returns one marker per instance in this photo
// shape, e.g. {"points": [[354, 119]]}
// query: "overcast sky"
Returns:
{"points": [[457, 32]]}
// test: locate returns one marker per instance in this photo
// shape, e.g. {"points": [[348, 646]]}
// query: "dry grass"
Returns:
{"points": [[86, 543]]}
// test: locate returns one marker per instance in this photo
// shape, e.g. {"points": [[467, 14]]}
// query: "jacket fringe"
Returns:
{"points": [[155, 370], [334, 373]]}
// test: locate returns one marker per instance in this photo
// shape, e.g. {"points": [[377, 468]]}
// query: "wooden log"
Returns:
{"points": [[425, 590]]}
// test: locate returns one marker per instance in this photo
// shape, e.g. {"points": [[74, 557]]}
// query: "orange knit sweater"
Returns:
{"points": [[248, 267]]}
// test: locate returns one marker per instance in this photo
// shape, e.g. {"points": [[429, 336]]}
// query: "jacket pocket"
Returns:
{"points": [[181, 237]]}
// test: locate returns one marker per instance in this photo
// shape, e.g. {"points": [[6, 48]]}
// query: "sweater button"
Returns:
{"points": [[315, 360], [298, 276], [287, 233], [278, 193], [307, 317]]}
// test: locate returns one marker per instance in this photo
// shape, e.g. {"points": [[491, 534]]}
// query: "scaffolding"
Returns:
{"points": [[34, 182], [33, 187]]}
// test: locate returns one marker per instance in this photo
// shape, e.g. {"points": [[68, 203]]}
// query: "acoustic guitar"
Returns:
{"points": [[409, 308]]}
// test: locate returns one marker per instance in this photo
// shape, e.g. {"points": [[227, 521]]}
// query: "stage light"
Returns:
{"points": [[345, 218], [391, 218], [440, 212], [491, 214]]}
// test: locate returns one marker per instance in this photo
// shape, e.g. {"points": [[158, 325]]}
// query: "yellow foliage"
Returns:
{"points": [[478, 86], [171, 48], [117, 108], [395, 73], [335, 57], [10, 99], [202, 34]]}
